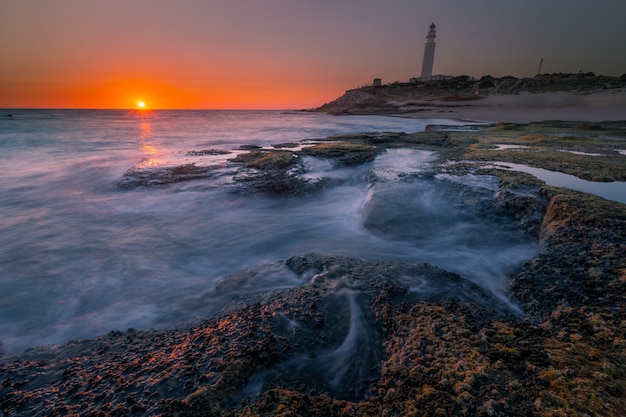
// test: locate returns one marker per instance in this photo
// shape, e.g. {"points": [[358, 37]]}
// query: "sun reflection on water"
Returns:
{"points": [[150, 155], [149, 151], [146, 130]]}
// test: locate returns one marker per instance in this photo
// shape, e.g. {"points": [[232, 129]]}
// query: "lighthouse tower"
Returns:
{"points": [[429, 53]]}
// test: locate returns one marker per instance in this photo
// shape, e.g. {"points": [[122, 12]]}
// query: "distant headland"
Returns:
{"points": [[545, 96]]}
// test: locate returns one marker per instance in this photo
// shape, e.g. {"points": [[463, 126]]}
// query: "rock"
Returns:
{"points": [[268, 171], [326, 337], [574, 269], [267, 160], [286, 145], [344, 153], [150, 177], [277, 182], [205, 152]]}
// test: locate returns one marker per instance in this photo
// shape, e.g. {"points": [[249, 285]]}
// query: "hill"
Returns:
{"points": [[418, 95]]}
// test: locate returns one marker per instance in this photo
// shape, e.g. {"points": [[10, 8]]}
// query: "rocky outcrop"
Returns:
{"points": [[371, 338], [343, 153], [268, 171], [582, 264], [152, 177], [364, 338], [325, 337], [267, 160], [421, 94]]}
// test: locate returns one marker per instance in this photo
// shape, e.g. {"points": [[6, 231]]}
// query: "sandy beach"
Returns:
{"points": [[607, 105]]}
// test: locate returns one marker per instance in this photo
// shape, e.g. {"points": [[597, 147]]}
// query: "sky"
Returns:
{"points": [[283, 54]]}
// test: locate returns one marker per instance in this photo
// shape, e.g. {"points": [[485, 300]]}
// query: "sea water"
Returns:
{"points": [[80, 256]]}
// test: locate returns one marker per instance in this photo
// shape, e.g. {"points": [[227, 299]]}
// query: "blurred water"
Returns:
{"points": [[79, 257]]}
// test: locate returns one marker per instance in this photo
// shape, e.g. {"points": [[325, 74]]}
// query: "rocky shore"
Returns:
{"points": [[572, 97], [365, 338]]}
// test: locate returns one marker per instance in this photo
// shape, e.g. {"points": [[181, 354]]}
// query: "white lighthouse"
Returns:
{"points": [[429, 53]]}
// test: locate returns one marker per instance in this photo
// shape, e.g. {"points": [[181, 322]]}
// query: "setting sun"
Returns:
{"points": [[141, 104]]}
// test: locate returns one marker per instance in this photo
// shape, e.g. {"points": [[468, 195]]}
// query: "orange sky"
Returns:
{"points": [[281, 54]]}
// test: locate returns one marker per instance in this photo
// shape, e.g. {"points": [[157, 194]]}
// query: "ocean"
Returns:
{"points": [[81, 256]]}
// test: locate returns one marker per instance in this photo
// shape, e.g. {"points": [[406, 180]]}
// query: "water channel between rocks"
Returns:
{"points": [[615, 190]]}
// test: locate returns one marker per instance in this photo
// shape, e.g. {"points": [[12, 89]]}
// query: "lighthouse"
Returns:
{"points": [[429, 53]]}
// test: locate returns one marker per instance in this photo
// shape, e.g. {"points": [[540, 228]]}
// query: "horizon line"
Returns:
{"points": [[149, 110]]}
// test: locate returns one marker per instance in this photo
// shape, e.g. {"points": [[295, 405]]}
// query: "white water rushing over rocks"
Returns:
{"points": [[80, 257]]}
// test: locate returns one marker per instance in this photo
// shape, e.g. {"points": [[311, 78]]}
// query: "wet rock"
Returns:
{"points": [[435, 207], [324, 338], [206, 152], [344, 153], [287, 145], [555, 146], [267, 160], [274, 172], [277, 183], [582, 263], [150, 177], [249, 147], [528, 210]]}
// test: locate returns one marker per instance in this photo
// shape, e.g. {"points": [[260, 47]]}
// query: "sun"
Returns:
{"points": [[141, 104]]}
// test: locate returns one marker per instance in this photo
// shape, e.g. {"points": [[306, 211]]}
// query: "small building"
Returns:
{"points": [[377, 82]]}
